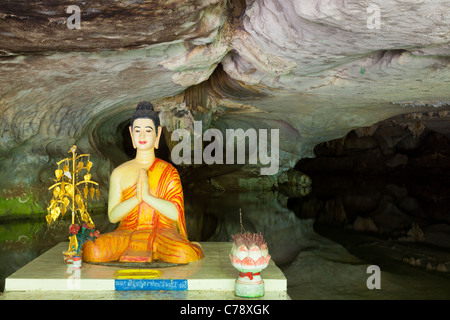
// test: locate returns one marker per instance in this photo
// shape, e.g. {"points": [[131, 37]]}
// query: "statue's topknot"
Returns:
{"points": [[144, 105], [145, 110]]}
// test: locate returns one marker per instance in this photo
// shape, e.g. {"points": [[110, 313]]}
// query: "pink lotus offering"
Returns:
{"points": [[249, 255], [249, 252]]}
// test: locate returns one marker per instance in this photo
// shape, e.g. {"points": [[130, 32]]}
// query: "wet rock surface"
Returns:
{"points": [[313, 70]]}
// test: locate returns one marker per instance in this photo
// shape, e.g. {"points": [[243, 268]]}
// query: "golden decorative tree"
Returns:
{"points": [[68, 192]]}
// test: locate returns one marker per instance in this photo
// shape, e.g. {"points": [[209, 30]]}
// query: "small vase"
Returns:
{"points": [[250, 263], [68, 258], [77, 262], [249, 284]]}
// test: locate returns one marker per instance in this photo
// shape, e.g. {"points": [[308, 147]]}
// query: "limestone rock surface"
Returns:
{"points": [[314, 70]]}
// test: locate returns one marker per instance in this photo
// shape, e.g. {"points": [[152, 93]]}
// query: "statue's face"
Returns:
{"points": [[143, 134]]}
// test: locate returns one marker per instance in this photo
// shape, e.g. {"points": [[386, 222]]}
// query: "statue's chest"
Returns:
{"points": [[130, 178]]}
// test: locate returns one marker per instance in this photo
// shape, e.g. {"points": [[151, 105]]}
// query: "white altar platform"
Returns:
{"points": [[213, 277]]}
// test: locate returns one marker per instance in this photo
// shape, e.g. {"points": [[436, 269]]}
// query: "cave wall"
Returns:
{"points": [[314, 70]]}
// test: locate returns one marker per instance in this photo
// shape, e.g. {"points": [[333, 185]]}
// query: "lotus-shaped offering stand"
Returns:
{"points": [[250, 256]]}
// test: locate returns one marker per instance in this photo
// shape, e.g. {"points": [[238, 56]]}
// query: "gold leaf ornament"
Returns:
{"points": [[69, 189], [66, 202], [58, 174], [88, 165], [56, 192], [55, 213], [52, 204], [79, 201], [85, 217]]}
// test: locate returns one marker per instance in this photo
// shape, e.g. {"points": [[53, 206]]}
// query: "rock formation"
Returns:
{"points": [[314, 70]]}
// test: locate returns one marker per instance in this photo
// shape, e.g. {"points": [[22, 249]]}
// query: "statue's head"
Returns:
{"points": [[145, 110], [145, 128]]}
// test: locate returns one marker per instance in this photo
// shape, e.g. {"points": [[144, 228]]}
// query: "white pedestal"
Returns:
{"points": [[214, 273]]}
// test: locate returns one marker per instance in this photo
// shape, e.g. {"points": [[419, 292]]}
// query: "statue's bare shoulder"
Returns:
{"points": [[125, 174]]}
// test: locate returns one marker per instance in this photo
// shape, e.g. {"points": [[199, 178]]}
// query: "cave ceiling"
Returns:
{"points": [[313, 69]]}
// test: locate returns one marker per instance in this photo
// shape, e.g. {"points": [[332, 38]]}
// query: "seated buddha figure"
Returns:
{"points": [[146, 196]]}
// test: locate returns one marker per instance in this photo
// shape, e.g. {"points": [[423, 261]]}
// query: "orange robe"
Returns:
{"points": [[145, 234]]}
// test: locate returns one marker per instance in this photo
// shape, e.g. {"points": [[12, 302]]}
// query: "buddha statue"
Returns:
{"points": [[146, 196]]}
